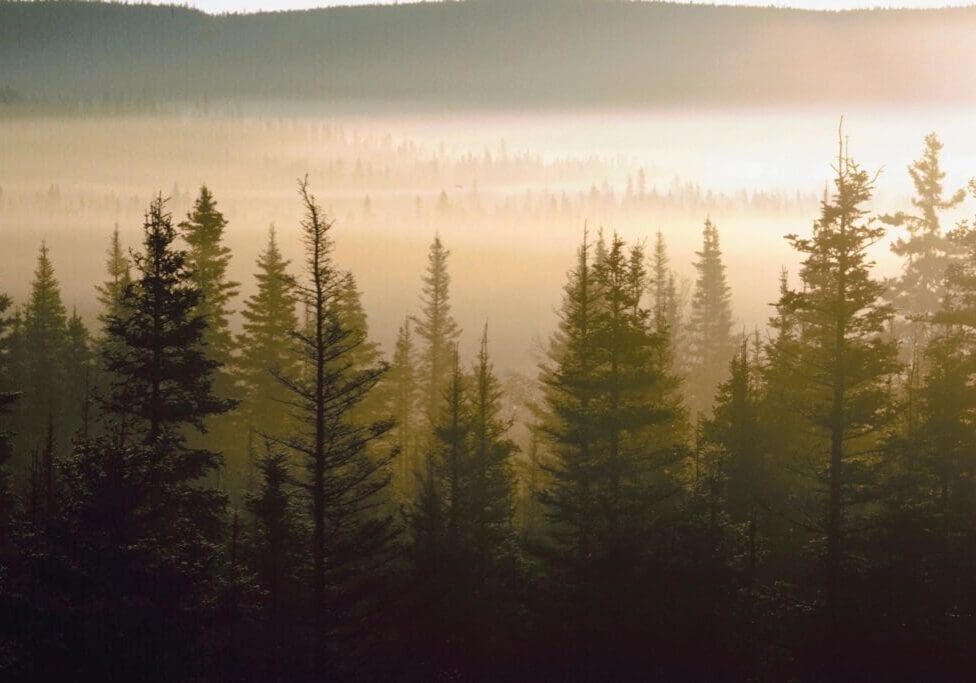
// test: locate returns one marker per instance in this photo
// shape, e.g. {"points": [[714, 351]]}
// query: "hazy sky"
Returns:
{"points": [[259, 5]]}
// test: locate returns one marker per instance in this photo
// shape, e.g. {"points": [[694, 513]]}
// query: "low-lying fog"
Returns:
{"points": [[509, 194]]}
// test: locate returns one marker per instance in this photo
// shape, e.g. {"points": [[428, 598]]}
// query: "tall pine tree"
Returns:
{"points": [[842, 359], [207, 260], [436, 328], [927, 250], [266, 345], [350, 532], [400, 386], [162, 379], [42, 349], [710, 327]]}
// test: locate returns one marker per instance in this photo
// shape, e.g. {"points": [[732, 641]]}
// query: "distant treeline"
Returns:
{"points": [[486, 53], [179, 502]]}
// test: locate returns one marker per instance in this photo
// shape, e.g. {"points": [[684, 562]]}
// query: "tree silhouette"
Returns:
{"points": [[842, 356], [436, 328], [710, 325]]}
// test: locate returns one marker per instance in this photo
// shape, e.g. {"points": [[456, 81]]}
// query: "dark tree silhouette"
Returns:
{"points": [[351, 533], [842, 356]]}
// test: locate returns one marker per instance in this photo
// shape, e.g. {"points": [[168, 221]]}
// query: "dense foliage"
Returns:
{"points": [[181, 503]]}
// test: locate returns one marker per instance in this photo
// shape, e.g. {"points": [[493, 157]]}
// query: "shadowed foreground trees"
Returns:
{"points": [[398, 523]]}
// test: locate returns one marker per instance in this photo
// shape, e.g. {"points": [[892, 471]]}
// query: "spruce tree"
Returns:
{"points": [[42, 348], [710, 326], [124, 564], [162, 380], [735, 430], [842, 358], [364, 354], [274, 553], [612, 420], [79, 369], [936, 478], [207, 260], [463, 538], [8, 395], [163, 539], [666, 303], [350, 534], [493, 486], [266, 345], [436, 328], [400, 386], [118, 267], [927, 250]]}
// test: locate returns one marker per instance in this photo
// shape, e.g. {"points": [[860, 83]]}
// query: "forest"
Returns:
{"points": [[493, 54], [204, 486]]}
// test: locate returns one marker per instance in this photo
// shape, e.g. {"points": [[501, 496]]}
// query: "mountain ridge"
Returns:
{"points": [[549, 53]]}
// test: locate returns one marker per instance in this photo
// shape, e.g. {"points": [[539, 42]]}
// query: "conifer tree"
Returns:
{"points": [[7, 397], [79, 371], [364, 354], [266, 344], [710, 326], [666, 303], [352, 315], [162, 379], [842, 359], [275, 555], [436, 328], [207, 260], [165, 524], [927, 250], [401, 388], [493, 485], [735, 430], [451, 465], [350, 534], [129, 551], [462, 518], [612, 419], [45, 325], [118, 267]]}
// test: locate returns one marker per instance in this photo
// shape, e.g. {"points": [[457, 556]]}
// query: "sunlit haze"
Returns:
{"points": [[490, 340]]}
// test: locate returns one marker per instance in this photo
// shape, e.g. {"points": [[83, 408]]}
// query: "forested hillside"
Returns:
{"points": [[490, 53]]}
